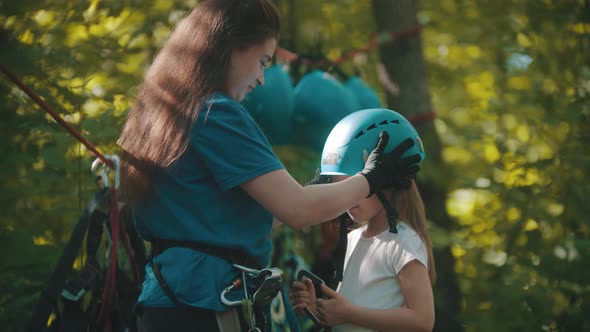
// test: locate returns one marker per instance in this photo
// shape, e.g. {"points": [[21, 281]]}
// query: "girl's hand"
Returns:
{"points": [[302, 295], [333, 310]]}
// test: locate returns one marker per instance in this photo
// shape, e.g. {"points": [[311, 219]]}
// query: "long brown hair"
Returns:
{"points": [[192, 64], [411, 210]]}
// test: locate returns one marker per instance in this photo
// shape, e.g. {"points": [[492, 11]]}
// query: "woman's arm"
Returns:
{"points": [[299, 206], [417, 315]]}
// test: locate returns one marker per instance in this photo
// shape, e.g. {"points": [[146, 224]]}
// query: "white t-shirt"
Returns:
{"points": [[371, 267]]}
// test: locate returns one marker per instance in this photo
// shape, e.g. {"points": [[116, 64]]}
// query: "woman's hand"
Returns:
{"points": [[390, 170], [302, 295], [334, 310]]}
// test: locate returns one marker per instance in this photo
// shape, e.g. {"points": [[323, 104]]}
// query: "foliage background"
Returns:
{"points": [[510, 83]]}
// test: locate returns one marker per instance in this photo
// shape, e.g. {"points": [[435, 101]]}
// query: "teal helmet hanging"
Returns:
{"points": [[365, 95], [320, 102], [356, 135], [271, 105]]}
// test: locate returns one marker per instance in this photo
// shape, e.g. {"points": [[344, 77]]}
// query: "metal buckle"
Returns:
{"points": [[261, 286]]}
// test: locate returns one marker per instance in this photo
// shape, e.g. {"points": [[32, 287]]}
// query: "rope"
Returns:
{"points": [[286, 55], [422, 117], [380, 39], [376, 40], [55, 115]]}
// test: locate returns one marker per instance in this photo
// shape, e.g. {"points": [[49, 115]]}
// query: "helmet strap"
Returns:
{"points": [[392, 215]]}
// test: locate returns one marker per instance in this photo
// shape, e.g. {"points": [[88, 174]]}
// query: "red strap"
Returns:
{"points": [[376, 40], [104, 316], [54, 114], [130, 254], [421, 118]]}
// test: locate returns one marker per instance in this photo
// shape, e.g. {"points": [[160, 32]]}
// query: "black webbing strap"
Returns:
{"points": [[165, 287], [340, 252], [49, 296], [233, 256], [391, 211]]}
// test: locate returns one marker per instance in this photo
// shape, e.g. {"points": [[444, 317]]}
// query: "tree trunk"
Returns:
{"points": [[404, 63]]}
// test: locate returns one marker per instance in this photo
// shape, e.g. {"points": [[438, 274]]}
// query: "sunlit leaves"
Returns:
{"points": [[523, 40], [133, 63], [531, 70], [531, 225], [481, 88], [26, 37], [491, 153], [519, 82], [44, 18]]}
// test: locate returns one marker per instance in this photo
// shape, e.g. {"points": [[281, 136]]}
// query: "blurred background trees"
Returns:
{"points": [[506, 178]]}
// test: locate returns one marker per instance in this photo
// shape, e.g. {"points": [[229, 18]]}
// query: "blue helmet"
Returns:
{"points": [[271, 105], [320, 102], [365, 95], [356, 135]]}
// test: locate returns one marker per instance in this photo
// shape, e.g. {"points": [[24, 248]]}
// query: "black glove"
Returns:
{"points": [[384, 171]]}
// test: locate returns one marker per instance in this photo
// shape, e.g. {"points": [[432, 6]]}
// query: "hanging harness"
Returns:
{"points": [[96, 298], [51, 294]]}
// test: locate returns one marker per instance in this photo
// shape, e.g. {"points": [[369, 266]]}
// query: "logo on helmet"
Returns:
{"points": [[420, 146], [331, 158]]}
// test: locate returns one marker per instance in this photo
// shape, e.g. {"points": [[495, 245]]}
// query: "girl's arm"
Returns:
{"points": [[299, 206], [418, 316]]}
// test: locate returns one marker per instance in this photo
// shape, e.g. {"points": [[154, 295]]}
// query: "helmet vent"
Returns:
{"points": [[373, 126]]}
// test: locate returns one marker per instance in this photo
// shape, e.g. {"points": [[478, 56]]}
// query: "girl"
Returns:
{"points": [[388, 267]]}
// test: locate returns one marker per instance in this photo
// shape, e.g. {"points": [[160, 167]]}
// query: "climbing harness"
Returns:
{"points": [[233, 256], [259, 286], [97, 298]]}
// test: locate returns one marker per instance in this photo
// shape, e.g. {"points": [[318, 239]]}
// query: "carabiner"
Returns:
{"points": [[235, 284], [316, 281], [104, 171]]}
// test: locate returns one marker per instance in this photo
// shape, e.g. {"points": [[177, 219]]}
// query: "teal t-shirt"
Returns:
{"points": [[199, 198]]}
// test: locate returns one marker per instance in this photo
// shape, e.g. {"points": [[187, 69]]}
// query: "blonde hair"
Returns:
{"points": [[411, 210]]}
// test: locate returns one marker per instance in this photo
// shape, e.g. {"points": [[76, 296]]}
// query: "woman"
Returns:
{"points": [[202, 178]]}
